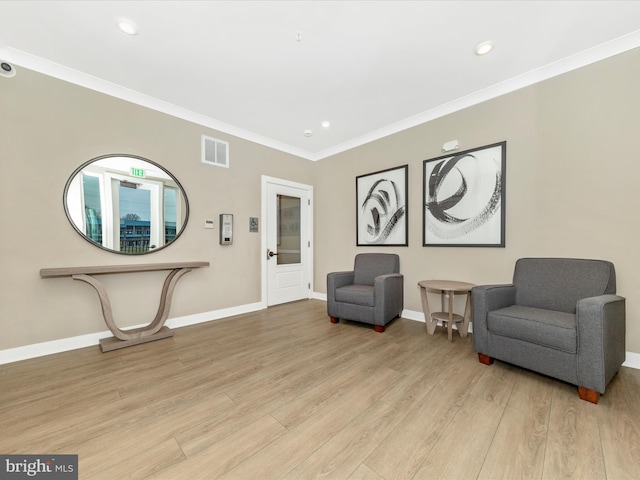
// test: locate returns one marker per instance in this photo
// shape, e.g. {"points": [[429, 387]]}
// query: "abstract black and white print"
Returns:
{"points": [[381, 202], [464, 198]]}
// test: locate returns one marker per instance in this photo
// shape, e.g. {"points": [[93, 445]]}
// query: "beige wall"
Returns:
{"points": [[47, 129], [572, 183], [572, 172]]}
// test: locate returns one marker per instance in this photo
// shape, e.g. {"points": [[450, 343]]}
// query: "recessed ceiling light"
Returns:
{"points": [[326, 124], [308, 133], [484, 48], [127, 26]]}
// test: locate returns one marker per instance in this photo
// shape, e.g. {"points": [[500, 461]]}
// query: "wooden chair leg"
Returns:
{"points": [[588, 395], [486, 359], [378, 328], [334, 319]]}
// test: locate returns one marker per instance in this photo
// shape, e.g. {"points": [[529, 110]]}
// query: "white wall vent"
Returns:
{"points": [[215, 152]]}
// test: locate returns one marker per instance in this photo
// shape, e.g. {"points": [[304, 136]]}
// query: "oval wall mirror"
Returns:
{"points": [[126, 204]]}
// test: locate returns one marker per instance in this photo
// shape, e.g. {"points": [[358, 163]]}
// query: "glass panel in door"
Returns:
{"points": [[288, 230], [135, 218]]}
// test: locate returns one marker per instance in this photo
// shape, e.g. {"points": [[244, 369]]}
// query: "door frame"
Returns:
{"points": [[111, 210], [266, 180]]}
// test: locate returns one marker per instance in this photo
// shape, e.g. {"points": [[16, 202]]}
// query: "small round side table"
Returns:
{"points": [[445, 287]]}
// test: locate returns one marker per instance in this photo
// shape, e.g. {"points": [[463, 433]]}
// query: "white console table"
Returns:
{"points": [[134, 336]]}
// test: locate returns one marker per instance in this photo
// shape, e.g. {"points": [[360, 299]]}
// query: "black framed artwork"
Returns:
{"points": [[464, 198], [381, 208]]}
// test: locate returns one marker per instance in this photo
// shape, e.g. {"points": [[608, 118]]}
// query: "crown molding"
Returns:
{"points": [[91, 82], [581, 59], [578, 60]]}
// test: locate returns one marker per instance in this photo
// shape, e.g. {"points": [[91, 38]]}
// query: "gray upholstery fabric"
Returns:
{"points": [[560, 317], [558, 283], [371, 293], [368, 266], [356, 294], [547, 328], [602, 333], [549, 361], [487, 298]]}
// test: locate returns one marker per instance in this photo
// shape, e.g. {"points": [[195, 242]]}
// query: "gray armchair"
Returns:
{"points": [[371, 293], [560, 317]]}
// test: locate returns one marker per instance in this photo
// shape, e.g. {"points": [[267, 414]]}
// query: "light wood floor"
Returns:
{"points": [[285, 394]]}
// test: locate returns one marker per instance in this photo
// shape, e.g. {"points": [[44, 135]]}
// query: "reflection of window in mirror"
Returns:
{"points": [[170, 213], [92, 208], [138, 202], [126, 204]]}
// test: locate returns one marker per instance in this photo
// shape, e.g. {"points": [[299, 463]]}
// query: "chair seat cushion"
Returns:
{"points": [[356, 294], [547, 328]]}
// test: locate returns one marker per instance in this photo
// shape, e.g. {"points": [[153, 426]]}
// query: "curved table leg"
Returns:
{"points": [[165, 301], [450, 322], [467, 317], [429, 321], [136, 335], [107, 314]]}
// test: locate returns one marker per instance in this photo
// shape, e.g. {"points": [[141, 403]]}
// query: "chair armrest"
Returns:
{"points": [[601, 324], [390, 280], [486, 298], [339, 279], [336, 280], [389, 296]]}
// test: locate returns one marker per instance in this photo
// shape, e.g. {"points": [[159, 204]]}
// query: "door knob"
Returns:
{"points": [[270, 254]]}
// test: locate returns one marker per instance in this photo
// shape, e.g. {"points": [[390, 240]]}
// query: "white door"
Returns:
{"points": [[137, 203], [287, 240]]}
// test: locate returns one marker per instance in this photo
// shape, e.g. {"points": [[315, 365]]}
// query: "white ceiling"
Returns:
{"points": [[372, 68]]}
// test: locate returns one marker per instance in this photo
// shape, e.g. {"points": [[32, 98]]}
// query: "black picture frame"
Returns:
{"points": [[382, 208], [464, 198]]}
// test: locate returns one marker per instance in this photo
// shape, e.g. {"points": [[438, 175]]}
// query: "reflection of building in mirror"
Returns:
{"points": [[126, 204]]}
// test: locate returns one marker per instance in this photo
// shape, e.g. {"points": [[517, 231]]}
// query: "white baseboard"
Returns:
{"points": [[632, 360], [214, 315], [413, 315], [35, 350], [26, 352], [419, 317]]}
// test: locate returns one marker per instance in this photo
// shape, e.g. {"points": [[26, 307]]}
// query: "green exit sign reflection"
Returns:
{"points": [[137, 172]]}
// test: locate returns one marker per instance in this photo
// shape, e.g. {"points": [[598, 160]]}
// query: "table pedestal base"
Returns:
{"points": [[450, 288], [155, 330], [113, 343]]}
